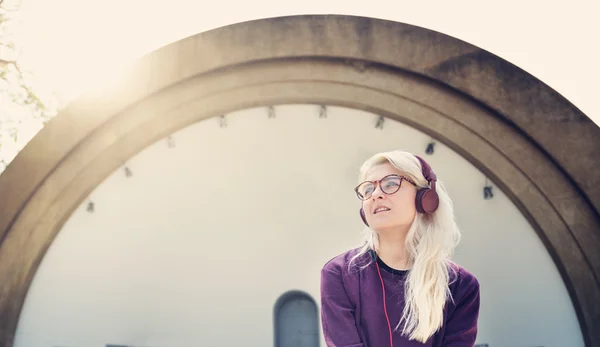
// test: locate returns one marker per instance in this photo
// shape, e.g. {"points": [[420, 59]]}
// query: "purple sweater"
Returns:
{"points": [[352, 311]]}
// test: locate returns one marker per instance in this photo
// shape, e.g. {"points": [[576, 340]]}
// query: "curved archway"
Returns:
{"points": [[495, 115]]}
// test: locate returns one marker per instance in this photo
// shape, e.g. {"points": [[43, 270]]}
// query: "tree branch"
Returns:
{"points": [[11, 62], [31, 94], [8, 9]]}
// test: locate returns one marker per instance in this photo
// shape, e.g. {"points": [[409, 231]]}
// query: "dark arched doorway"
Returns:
{"points": [[296, 320]]}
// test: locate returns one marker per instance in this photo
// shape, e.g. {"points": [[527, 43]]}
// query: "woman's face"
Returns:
{"points": [[393, 211]]}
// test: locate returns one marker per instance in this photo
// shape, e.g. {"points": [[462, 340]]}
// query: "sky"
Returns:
{"points": [[74, 45]]}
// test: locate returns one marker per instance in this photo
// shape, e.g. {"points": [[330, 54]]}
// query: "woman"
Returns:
{"points": [[400, 289]]}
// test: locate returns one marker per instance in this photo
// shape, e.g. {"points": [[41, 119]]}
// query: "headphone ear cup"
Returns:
{"points": [[362, 215], [427, 201]]}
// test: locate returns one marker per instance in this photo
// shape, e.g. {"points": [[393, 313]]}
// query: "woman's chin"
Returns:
{"points": [[383, 227], [388, 226]]}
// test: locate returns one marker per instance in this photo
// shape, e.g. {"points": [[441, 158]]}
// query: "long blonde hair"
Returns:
{"points": [[430, 243]]}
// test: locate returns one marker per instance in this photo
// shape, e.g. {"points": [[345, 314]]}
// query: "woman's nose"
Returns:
{"points": [[377, 193]]}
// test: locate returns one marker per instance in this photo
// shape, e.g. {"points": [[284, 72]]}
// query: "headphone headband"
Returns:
{"points": [[428, 172]]}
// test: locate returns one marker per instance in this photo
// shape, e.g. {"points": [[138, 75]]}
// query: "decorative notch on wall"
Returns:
{"points": [[222, 121], [323, 111], [430, 147], [488, 194], [170, 141], [271, 112], [379, 124]]}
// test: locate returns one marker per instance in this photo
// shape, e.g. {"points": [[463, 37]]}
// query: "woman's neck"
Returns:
{"points": [[392, 251]]}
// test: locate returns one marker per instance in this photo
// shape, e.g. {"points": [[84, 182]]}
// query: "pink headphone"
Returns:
{"points": [[427, 200]]}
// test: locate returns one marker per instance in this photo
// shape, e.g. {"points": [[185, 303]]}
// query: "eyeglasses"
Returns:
{"points": [[389, 185]]}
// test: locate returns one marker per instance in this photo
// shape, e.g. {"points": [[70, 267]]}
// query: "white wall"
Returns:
{"points": [[197, 245]]}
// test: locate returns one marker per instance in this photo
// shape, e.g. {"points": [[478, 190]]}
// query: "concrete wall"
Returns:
{"points": [[197, 245]]}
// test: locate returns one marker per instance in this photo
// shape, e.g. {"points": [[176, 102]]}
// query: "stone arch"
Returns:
{"points": [[497, 116]]}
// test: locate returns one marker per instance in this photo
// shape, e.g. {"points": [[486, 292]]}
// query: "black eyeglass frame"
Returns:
{"points": [[378, 183]]}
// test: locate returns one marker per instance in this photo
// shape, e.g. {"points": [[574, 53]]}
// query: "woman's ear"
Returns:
{"points": [[362, 215]]}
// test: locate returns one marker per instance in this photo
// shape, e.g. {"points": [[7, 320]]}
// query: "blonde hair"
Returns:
{"points": [[430, 243]]}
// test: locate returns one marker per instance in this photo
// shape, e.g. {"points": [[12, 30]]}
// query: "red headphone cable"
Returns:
{"points": [[384, 305]]}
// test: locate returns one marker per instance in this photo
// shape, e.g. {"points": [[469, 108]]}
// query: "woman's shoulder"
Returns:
{"points": [[462, 281], [340, 263]]}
